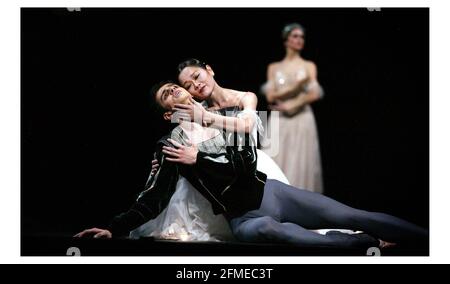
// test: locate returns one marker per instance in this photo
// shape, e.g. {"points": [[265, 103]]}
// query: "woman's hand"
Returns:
{"points": [[96, 232], [181, 154], [279, 106], [289, 107], [155, 166], [195, 111]]}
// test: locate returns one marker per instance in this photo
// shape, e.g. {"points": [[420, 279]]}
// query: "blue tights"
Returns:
{"points": [[288, 214]]}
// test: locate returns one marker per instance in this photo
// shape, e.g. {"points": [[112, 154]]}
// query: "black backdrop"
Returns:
{"points": [[88, 131]]}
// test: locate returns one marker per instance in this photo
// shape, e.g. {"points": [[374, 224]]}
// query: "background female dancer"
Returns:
{"points": [[292, 87]]}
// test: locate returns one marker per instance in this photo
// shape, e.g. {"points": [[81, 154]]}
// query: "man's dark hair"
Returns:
{"points": [[159, 110]]}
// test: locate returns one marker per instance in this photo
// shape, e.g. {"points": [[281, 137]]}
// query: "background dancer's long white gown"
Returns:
{"points": [[299, 153]]}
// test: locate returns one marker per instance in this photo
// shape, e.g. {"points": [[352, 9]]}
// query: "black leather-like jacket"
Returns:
{"points": [[228, 180]]}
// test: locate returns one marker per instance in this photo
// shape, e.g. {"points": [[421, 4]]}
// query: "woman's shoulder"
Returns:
{"points": [[309, 64], [274, 65], [246, 97], [241, 94], [249, 96]]}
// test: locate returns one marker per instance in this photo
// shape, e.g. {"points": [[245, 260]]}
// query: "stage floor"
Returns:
{"points": [[50, 245]]}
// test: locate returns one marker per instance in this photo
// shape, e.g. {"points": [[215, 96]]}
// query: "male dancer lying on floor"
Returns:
{"points": [[257, 208]]}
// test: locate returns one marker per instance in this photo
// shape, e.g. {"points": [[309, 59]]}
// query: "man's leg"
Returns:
{"points": [[266, 229], [315, 211]]}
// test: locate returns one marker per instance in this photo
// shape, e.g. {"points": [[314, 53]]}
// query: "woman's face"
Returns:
{"points": [[197, 81], [295, 40]]}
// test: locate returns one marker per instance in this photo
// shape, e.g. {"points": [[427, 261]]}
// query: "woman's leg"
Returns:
{"points": [[315, 211], [267, 229]]}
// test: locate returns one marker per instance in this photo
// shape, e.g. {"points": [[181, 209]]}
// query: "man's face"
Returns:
{"points": [[170, 94]]}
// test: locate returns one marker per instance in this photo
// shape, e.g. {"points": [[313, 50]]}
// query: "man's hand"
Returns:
{"points": [[181, 154], [96, 233]]}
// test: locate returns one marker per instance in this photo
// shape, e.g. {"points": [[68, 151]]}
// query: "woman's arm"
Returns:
{"points": [[313, 94], [272, 95], [242, 124]]}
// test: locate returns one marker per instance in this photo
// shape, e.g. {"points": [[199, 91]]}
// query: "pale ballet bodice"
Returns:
{"points": [[284, 79]]}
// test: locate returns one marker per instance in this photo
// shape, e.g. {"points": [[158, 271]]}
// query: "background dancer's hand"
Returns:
{"points": [[279, 106], [290, 106]]}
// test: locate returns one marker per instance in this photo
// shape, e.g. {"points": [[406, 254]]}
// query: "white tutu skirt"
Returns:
{"points": [[189, 215]]}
